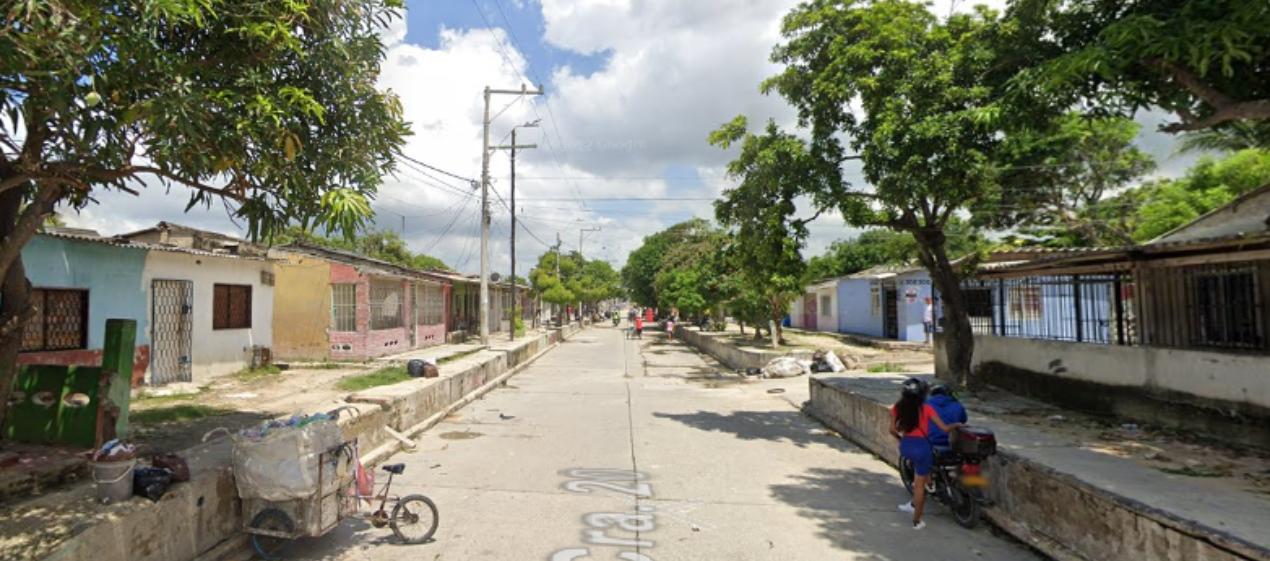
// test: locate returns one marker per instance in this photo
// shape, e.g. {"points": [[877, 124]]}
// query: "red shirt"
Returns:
{"points": [[923, 421], [639, 322]]}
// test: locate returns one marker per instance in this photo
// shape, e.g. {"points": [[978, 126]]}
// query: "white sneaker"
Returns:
{"points": [[919, 525], [907, 507]]}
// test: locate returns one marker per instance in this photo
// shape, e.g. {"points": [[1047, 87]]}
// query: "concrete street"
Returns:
{"points": [[732, 472]]}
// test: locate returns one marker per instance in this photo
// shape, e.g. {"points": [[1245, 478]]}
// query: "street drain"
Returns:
{"points": [[460, 435]]}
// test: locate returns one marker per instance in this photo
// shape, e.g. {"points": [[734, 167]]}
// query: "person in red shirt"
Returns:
{"points": [[910, 418], [639, 327]]}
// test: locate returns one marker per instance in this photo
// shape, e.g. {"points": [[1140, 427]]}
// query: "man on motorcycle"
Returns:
{"points": [[945, 404]]}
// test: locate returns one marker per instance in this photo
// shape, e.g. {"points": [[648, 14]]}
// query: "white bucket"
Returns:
{"points": [[114, 480]]}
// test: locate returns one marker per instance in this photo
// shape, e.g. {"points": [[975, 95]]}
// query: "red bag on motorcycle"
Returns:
{"points": [[974, 442]]}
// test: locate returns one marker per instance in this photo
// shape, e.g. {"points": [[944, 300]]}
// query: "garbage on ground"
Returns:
{"points": [[1129, 427], [423, 368], [151, 482], [826, 361], [173, 463], [784, 367], [115, 451], [1057, 418]]}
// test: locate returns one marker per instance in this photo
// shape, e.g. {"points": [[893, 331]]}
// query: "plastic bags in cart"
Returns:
{"points": [[280, 461]]}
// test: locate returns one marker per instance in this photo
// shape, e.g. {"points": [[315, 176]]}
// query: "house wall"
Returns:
{"points": [[366, 343], [302, 308], [111, 274], [826, 316], [216, 352], [1224, 394], [855, 308], [914, 289]]}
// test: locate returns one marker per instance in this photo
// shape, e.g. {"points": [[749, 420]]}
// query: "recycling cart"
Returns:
{"points": [[293, 480]]}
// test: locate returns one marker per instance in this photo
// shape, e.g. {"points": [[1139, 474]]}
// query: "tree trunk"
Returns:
{"points": [[959, 342], [15, 300]]}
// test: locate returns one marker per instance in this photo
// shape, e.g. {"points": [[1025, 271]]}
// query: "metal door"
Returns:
{"points": [[891, 313], [170, 327]]}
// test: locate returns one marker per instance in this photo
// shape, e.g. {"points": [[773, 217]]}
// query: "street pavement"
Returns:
{"points": [[607, 448]]}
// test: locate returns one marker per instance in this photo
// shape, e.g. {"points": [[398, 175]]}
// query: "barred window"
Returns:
{"points": [[231, 306], [826, 305], [1025, 303], [1226, 309], [60, 321], [429, 305], [875, 300], [385, 304], [344, 307]]}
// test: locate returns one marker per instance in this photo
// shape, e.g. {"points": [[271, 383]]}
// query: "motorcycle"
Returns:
{"points": [[958, 480]]}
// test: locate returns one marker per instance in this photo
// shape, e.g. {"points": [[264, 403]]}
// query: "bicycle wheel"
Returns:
{"points": [[273, 520], [414, 519]]}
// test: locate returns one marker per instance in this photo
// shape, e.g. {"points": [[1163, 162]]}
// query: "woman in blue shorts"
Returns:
{"points": [[910, 417]]}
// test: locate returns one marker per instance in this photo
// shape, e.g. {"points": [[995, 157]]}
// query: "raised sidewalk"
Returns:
{"points": [[1068, 501], [202, 519]]}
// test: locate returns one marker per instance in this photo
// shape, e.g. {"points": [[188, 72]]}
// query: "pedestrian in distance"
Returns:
{"points": [[639, 327], [910, 418], [928, 319]]}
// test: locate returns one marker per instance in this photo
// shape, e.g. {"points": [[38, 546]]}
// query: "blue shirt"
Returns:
{"points": [[949, 411]]}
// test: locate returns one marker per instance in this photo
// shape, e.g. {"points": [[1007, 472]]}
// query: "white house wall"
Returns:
{"points": [[215, 352]]}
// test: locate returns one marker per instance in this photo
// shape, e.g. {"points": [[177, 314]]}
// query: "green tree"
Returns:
{"points": [[1229, 137], [774, 169], [269, 106], [384, 245], [1202, 60], [920, 101], [1055, 181], [669, 248]]}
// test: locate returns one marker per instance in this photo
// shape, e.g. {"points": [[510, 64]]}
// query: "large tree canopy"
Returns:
{"points": [[1203, 60], [271, 107]]}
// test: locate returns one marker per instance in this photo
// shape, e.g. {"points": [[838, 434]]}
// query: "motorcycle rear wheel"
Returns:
{"points": [[964, 506]]}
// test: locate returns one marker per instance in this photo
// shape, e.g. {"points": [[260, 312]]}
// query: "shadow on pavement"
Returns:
{"points": [[854, 507], [790, 426]]}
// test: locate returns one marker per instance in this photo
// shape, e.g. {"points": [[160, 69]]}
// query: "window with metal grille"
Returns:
{"points": [[1025, 303], [344, 307], [875, 300], [1227, 311], [385, 304], [231, 306], [60, 321], [430, 306], [826, 306]]}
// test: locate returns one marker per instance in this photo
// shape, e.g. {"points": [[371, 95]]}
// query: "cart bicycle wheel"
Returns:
{"points": [[270, 548], [414, 519]]}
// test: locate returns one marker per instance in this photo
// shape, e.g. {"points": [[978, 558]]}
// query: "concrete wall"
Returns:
{"points": [[217, 352], [301, 308], [1059, 514], [728, 354], [112, 276], [1225, 394]]}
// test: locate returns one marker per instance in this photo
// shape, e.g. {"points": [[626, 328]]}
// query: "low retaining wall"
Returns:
{"points": [[202, 519], [730, 355], [1058, 513]]}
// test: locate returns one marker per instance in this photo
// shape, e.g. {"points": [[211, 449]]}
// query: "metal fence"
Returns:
{"points": [[1211, 306], [1077, 308]]}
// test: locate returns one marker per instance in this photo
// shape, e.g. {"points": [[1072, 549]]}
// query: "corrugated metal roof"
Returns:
{"points": [[124, 243]]}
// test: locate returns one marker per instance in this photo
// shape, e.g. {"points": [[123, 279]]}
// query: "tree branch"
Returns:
{"points": [[1253, 110], [27, 224], [1225, 107]]}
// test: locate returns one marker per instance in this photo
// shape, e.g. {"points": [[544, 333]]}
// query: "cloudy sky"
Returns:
{"points": [[632, 89]]}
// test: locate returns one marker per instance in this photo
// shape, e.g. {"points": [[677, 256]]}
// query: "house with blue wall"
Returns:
{"points": [[886, 302], [78, 281]]}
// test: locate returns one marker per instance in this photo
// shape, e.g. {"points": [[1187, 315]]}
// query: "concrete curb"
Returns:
{"points": [[1055, 512]]}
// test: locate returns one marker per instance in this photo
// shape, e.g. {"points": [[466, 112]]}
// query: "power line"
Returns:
{"points": [[437, 169]]}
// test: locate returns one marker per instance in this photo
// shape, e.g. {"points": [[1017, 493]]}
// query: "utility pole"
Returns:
{"points": [[484, 307], [582, 261], [513, 146]]}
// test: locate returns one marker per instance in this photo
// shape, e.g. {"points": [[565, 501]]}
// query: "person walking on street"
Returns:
{"points": [[639, 327], [910, 418]]}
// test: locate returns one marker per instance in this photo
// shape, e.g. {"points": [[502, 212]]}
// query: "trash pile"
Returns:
{"points": [[114, 451], [261, 431], [788, 366], [279, 460]]}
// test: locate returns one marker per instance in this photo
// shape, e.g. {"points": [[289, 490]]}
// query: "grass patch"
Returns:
{"points": [[457, 356], [326, 366], [382, 377], [887, 367], [175, 414], [257, 374], [153, 400], [1189, 471]]}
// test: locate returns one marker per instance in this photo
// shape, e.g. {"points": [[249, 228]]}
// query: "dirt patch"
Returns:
{"points": [[460, 435]]}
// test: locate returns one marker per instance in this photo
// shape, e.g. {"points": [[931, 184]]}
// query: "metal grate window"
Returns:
{"points": [[1082, 308], [430, 304], [385, 304], [59, 322], [344, 307], [231, 306], [1225, 307]]}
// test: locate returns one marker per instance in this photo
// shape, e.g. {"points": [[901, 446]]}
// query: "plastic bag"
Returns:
{"points": [[784, 367], [173, 463], [283, 464], [835, 363], [151, 482]]}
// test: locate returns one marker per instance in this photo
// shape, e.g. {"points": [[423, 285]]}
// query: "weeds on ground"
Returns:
{"points": [[257, 374], [382, 377], [155, 400], [175, 414], [1188, 471], [457, 356], [887, 367]]}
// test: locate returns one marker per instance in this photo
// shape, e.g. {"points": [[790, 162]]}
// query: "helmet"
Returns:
{"points": [[914, 386], [940, 389]]}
